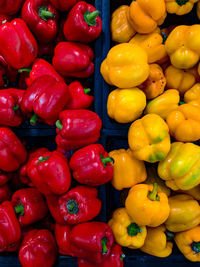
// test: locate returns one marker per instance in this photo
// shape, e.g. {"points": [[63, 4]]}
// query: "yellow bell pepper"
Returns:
{"points": [[146, 15], [126, 66], [126, 105], [121, 29], [183, 46], [149, 138], [184, 213], [146, 206], [194, 192], [179, 7], [184, 123], [181, 168], [192, 96], [188, 243], [164, 104], [128, 170], [157, 242], [126, 232]]}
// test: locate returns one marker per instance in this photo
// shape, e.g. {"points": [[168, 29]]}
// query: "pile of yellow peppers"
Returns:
{"points": [[156, 73]]}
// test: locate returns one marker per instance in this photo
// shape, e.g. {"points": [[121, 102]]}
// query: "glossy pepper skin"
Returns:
{"points": [[146, 206], [125, 66], [5, 193], [12, 151], [179, 7], [10, 7], [157, 242], [126, 105], [45, 98], [20, 49], [64, 5], [50, 173], [38, 249], [77, 128], [91, 165], [128, 170], [73, 60], [62, 236], [83, 23], [180, 169], [126, 232], [149, 138], [192, 96], [29, 206]]}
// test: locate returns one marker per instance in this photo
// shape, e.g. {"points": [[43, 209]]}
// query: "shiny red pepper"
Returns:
{"points": [[12, 152], [77, 128], [64, 5], [29, 206], [10, 7], [20, 49], [83, 23], [91, 165], [45, 98], [73, 60], [4, 18], [38, 249], [62, 236], [5, 193], [42, 19]]}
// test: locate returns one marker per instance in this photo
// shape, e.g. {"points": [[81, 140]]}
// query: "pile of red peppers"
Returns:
{"points": [[48, 199]]}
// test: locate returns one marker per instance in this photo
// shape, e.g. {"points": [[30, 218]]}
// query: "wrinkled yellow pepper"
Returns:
{"points": [[157, 242], [181, 168], [128, 170], [126, 232], [149, 138], [183, 46], [179, 7], [126, 66], [126, 105], [192, 96]]}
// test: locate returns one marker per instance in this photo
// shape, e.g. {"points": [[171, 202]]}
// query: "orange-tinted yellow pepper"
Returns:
{"points": [[192, 96], [149, 138], [128, 170], [126, 105], [126, 66], [126, 232], [146, 206], [179, 7]]}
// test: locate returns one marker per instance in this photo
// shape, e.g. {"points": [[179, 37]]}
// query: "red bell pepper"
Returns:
{"points": [[77, 128], [62, 236], [79, 97], [12, 152], [38, 249], [4, 18], [45, 98], [64, 5], [18, 46], [91, 165], [42, 19], [73, 60], [4, 177], [50, 173], [5, 193], [10, 231], [29, 206], [10, 7], [83, 23]]}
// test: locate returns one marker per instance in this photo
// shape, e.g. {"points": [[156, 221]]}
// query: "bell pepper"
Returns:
{"points": [[5, 193], [182, 45], [10, 231], [77, 128], [181, 80], [128, 170], [158, 242], [188, 243], [62, 236], [179, 7], [121, 29], [38, 249], [44, 99], [155, 83], [126, 232], [50, 173], [126, 105], [83, 23], [146, 206], [194, 192], [125, 66], [20, 55], [192, 96], [12, 151], [79, 96], [180, 169], [10, 7], [64, 5], [4, 18], [4, 177], [73, 60], [184, 213], [42, 19], [146, 15], [149, 138], [29, 206]]}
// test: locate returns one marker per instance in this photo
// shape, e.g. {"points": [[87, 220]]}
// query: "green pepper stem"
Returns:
{"points": [[104, 241], [106, 160], [25, 70], [90, 17], [4, 21], [133, 229], [72, 206], [169, 235], [164, 36], [41, 159], [15, 108], [181, 103], [152, 195], [122, 257], [196, 247], [19, 209], [45, 14], [33, 119], [59, 125], [87, 90]]}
